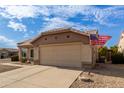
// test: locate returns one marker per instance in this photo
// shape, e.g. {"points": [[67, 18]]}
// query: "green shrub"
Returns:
{"points": [[118, 58], [102, 51], [24, 60], [15, 58]]}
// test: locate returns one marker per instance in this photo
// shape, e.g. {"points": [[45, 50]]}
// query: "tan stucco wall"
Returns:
{"points": [[61, 38], [36, 55], [66, 54], [94, 54]]}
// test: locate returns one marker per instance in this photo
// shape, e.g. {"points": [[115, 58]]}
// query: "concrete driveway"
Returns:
{"points": [[38, 76]]}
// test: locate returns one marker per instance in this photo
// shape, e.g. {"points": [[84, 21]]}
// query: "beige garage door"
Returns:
{"points": [[61, 55]]}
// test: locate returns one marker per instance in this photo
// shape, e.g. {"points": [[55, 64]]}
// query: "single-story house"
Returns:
{"points": [[121, 43], [7, 52], [59, 47]]}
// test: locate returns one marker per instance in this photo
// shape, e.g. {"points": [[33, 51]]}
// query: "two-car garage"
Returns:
{"points": [[66, 54]]}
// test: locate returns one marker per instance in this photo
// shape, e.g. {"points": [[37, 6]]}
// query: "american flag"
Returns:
{"points": [[93, 37], [101, 40]]}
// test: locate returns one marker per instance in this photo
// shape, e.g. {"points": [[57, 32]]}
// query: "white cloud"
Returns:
{"points": [[17, 26], [99, 15], [16, 12], [67, 11], [55, 23], [4, 41], [26, 35], [91, 12], [20, 12], [60, 23]]}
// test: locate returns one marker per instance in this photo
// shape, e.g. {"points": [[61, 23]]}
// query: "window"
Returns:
{"points": [[68, 36], [32, 53], [24, 52], [45, 38], [56, 37]]}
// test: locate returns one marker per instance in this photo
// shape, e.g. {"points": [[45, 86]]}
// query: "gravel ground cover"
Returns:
{"points": [[103, 76]]}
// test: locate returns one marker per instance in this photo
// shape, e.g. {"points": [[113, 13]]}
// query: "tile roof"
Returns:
{"points": [[55, 31], [25, 43], [59, 30]]}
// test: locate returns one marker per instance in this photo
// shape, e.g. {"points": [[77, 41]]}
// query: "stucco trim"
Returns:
{"points": [[59, 32], [62, 44]]}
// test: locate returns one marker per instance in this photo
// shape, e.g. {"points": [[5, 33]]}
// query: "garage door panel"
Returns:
{"points": [[66, 55]]}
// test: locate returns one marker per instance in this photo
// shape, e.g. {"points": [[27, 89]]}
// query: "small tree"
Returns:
{"points": [[103, 51], [114, 50]]}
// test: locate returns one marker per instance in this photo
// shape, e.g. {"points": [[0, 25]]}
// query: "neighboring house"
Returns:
{"points": [[59, 47], [121, 43], [7, 52]]}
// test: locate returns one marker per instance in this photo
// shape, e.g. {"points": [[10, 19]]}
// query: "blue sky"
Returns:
{"points": [[18, 23]]}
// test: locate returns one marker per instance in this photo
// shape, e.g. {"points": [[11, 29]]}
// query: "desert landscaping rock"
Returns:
{"points": [[108, 76]]}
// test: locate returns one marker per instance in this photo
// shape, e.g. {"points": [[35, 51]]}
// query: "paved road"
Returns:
{"points": [[38, 76]]}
